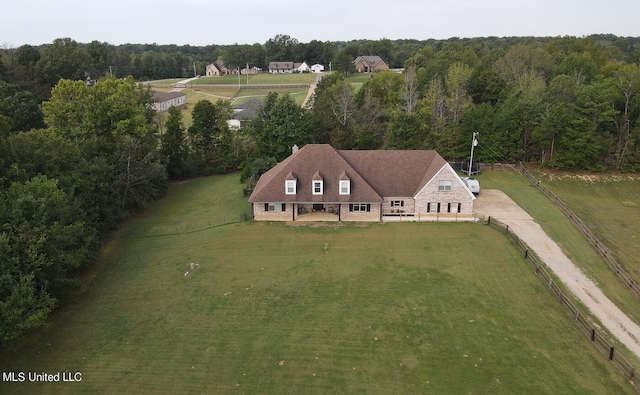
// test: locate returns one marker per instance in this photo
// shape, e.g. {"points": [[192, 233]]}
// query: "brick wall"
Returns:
{"points": [[259, 213], [371, 216], [458, 194]]}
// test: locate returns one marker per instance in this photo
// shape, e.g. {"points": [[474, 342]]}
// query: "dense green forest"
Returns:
{"points": [[78, 158]]}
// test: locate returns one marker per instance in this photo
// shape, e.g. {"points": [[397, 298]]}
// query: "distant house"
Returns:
{"points": [[288, 67], [165, 100], [245, 112], [319, 182], [216, 69], [369, 64], [317, 68]]}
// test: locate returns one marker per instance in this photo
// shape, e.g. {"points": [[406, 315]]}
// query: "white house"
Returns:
{"points": [[288, 67], [165, 100], [303, 67], [317, 68]]}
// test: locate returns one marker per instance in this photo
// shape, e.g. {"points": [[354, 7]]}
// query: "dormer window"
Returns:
{"points": [[317, 187], [290, 183], [345, 187], [290, 187], [345, 183]]}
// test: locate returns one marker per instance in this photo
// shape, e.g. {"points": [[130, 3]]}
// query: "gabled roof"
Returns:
{"points": [[281, 65], [372, 174], [396, 172], [164, 96], [370, 60]]}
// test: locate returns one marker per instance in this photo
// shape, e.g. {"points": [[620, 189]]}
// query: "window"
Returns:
{"points": [[397, 203], [290, 187], [433, 207], [360, 207], [445, 185], [345, 187], [317, 187], [453, 208], [275, 207]]}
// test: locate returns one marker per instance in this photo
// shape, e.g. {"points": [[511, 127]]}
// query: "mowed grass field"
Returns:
{"points": [[607, 206], [610, 205], [327, 309]]}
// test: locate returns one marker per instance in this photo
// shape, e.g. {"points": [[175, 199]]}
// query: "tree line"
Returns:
{"points": [[76, 159]]}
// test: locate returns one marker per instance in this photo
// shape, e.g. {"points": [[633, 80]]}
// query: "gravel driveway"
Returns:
{"points": [[498, 205]]}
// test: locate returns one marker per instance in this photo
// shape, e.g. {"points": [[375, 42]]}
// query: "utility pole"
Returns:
{"points": [[110, 71], [473, 144], [194, 69], [247, 73]]}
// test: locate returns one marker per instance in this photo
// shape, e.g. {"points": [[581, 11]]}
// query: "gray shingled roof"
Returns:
{"points": [[164, 96], [373, 175]]}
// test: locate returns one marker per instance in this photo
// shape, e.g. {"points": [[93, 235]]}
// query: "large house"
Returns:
{"points": [[318, 182], [288, 67], [216, 69], [369, 64]]}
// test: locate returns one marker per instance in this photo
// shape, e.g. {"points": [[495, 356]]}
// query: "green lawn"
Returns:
{"points": [[262, 78], [558, 227], [610, 204], [272, 308]]}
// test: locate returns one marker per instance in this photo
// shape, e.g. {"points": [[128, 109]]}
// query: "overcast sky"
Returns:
{"points": [[204, 22]]}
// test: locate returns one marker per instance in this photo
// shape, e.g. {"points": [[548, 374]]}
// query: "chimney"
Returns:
{"points": [[294, 149]]}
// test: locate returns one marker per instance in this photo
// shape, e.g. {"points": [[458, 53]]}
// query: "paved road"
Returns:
{"points": [[498, 205]]}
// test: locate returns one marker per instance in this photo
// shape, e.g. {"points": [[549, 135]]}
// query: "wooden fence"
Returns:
{"points": [[584, 324], [604, 252]]}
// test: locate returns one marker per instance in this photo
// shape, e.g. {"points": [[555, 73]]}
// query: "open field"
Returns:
{"points": [[610, 204], [262, 78], [358, 79], [273, 308], [573, 244]]}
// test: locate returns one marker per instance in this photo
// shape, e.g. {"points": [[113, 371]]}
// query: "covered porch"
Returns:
{"points": [[317, 212]]}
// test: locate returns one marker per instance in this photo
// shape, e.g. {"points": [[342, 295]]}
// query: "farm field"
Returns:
{"points": [[274, 308]]}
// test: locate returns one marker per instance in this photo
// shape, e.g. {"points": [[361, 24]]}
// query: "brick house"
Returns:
{"points": [[216, 69], [370, 64], [318, 182]]}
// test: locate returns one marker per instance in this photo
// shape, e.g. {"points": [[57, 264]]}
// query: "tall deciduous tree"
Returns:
{"points": [[410, 92], [64, 59], [211, 140], [281, 124], [173, 145], [457, 81]]}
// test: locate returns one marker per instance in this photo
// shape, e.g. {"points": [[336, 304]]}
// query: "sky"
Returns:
{"points": [[207, 22]]}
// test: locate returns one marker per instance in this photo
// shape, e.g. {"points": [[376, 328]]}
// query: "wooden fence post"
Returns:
{"points": [[611, 354], [593, 335]]}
